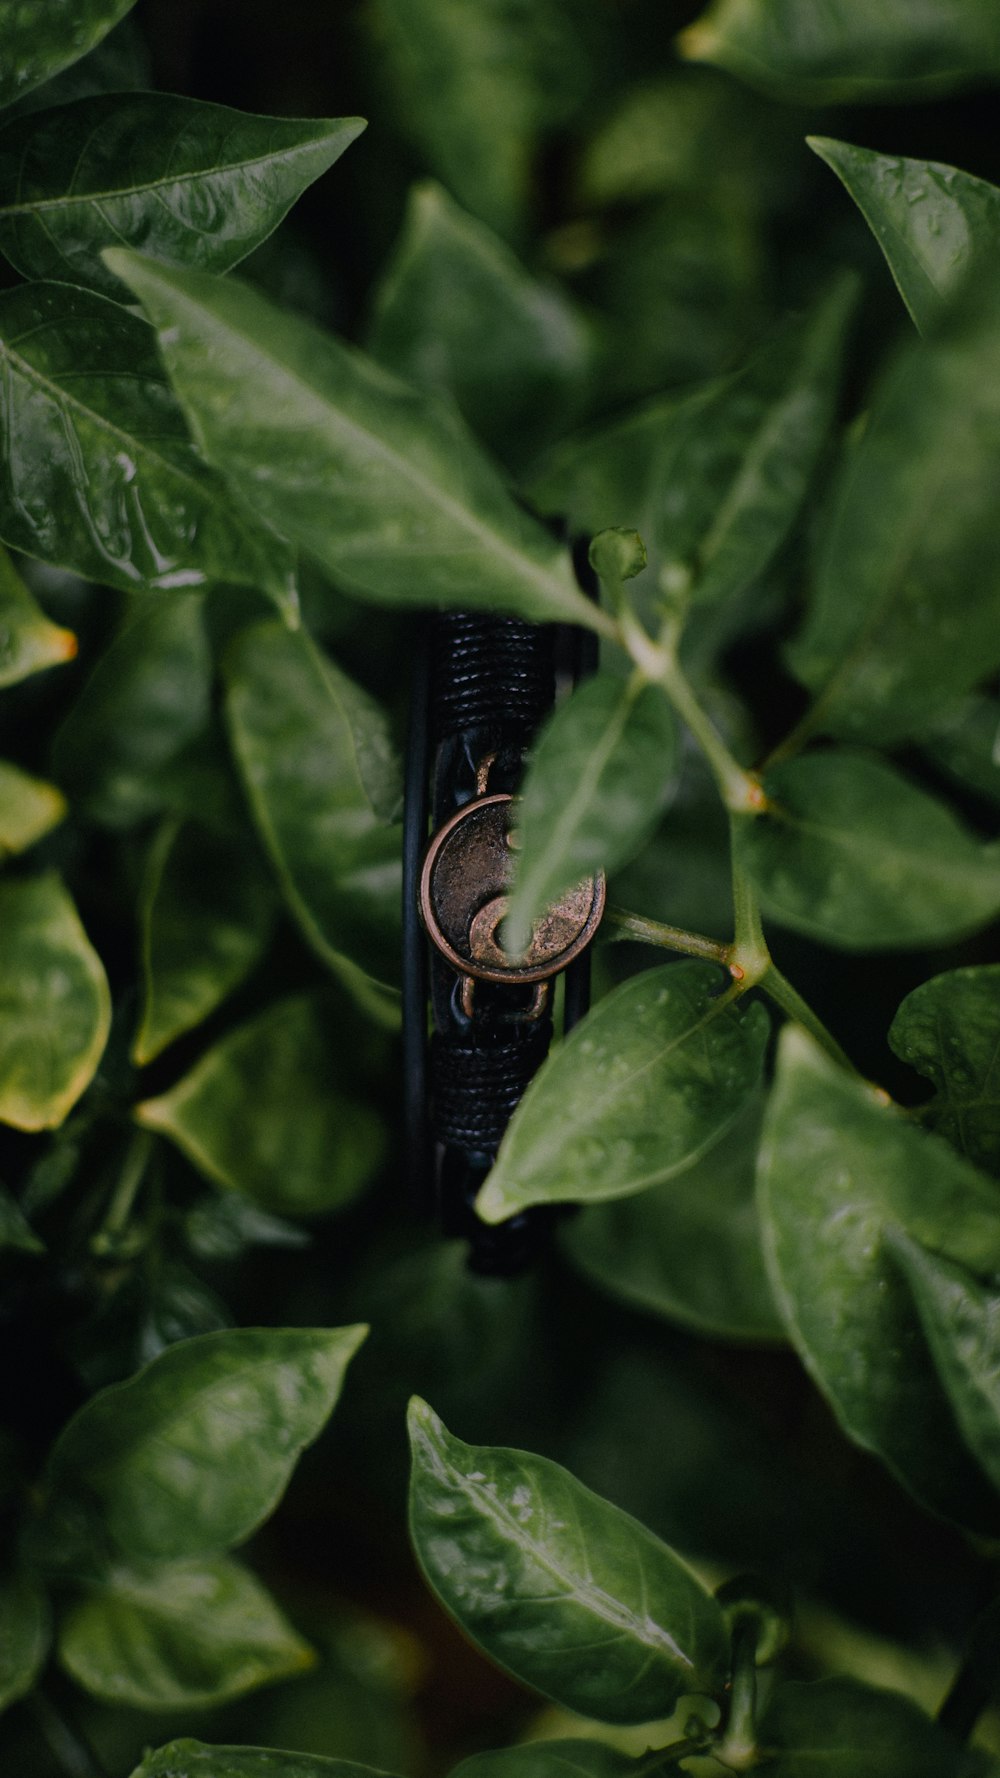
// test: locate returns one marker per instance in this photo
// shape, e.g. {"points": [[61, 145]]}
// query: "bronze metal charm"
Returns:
{"points": [[463, 900]]}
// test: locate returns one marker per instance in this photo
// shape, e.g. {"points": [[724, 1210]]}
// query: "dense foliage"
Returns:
{"points": [[596, 270]]}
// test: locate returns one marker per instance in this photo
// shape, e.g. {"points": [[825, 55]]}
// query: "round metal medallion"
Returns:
{"points": [[463, 899]]}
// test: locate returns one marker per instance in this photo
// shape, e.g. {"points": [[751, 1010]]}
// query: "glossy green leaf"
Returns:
{"points": [[852, 853], [689, 1249], [55, 1008], [28, 641], [194, 1759], [187, 182], [570, 1594], [261, 1114], [16, 1233], [458, 313], [178, 1635], [378, 481], [961, 1320], [224, 1227], [905, 607], [99, 473], [118, 64], [601, 774], [24, 1636], [838, 1172], [323, 783], [966, 743], [932, 222], [39, 38], [476, 85], [29, 808], [849, 50], [715, 480], [575, 1758], [839, 1728], [206, 912], [949, 1030], [190, 1455], [148, 697], [642, 1087]]}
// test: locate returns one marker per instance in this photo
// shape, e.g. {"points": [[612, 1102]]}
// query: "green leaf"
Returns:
{"points": [[949, 1030], [849, 50], [55, 1007], [904, 613], [206, 912], [476, 85], [456, 312], [966, 743], [16, 1233], [24, 1636], [714, 481], [193, 1759], [838, 1172], [854, 854], [260, 1113], [99, 473], [28, 641], [179, 1635], [932, 222], [189, 1456], [37, 40], [29, 808], [564, 1590], [638, 1091], [575, 1758], [189, 183], [148, 697], [601, 774], [378, 481], [688, 1250], [839, 1728], [961, 1320], [323, 782]]}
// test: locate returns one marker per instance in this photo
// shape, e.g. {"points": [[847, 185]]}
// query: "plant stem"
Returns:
{"points": [[779, 989], [653, 1761], [738, 1747], [668, 938], [109, 1234], [976, 1681], [749, 949]]}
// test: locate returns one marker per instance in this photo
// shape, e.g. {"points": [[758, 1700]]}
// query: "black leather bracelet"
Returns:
{"points": [[483, 685]]}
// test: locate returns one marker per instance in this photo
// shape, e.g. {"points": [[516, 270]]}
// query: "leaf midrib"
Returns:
{"points": [[67, 199], [378, 447], [585, 1592]]}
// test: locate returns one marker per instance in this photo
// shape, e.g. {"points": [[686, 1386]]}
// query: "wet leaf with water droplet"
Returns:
{"points": [[949, 1030], [375, 478], [854, 854], [40, 38], [569, 1593], [55, 1007], [934, 224], [99, 474], [838, 1173], [189, 183], [601, 773], [649, 1080]]}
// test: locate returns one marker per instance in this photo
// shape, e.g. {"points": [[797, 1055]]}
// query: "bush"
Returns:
{"points": [[580, 282]]}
